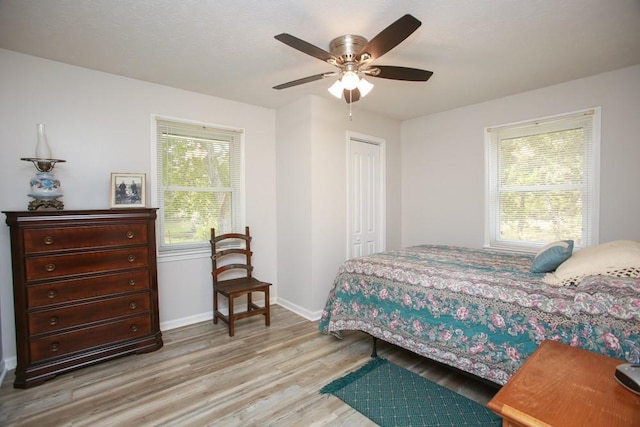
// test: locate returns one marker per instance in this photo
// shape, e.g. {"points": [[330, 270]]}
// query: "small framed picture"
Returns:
{"points": [[128, 190]]}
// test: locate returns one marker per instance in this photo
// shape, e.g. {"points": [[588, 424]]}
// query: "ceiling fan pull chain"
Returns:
{"points": [[350, 104]]}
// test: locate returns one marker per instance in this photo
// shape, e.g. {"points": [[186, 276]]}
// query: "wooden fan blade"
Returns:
{"points": [[351, 95], [305, 47], [390, 37], [401, 73], [301, 81]]}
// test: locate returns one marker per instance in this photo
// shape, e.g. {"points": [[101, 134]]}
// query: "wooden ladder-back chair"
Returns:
{"points": [[226, 245]]}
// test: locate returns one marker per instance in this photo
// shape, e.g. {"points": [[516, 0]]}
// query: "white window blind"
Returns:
{"points": [[199, 183], [542, 181]]}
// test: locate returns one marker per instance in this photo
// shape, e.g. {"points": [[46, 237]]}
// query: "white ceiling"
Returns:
{"points": [[478, 50]]}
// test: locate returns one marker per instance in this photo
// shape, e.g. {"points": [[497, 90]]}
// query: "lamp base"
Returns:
{"points": [[45, 190], [46, 204]]}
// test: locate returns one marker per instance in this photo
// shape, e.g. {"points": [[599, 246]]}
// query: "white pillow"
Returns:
{"points": [[620, 258]]}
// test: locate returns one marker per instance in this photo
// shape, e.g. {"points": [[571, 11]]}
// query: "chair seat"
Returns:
{"points": [[242, 284]]}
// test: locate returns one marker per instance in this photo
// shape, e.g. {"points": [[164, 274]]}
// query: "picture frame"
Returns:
{"points": [[128, 190]]}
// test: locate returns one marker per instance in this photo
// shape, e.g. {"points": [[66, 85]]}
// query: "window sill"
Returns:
{"points": [[182, 255], [512, 249]]}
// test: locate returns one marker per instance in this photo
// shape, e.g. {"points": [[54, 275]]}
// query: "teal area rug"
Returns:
{"points": [[393, 396]]}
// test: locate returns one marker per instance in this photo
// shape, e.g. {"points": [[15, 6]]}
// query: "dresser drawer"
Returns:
{"points": [[80, 289], [86, 339], [54, 239], [47, 267], [61, 318]]}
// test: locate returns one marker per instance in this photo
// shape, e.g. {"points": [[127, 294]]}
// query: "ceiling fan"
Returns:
{"points": [[353, 54]]}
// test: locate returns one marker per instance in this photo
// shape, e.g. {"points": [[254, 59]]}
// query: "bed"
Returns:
{"points": [[479, 310]]}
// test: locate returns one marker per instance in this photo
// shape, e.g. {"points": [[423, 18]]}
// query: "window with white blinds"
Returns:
{"points": [[198, 183], [542, 181]]}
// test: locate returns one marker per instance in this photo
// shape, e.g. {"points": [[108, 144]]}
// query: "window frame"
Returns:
{"points": [[590, 217], [189, 251]]}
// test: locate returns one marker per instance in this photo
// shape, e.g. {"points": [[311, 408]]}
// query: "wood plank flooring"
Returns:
{"points": [[262, 376]]}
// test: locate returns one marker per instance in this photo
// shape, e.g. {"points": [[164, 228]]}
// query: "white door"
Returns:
{"points": [[366, 197]]}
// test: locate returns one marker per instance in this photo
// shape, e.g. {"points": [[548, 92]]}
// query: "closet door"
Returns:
{"points": [[366, 199]]}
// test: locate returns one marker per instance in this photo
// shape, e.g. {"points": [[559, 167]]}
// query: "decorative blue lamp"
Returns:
{"points": [[45, 188]]}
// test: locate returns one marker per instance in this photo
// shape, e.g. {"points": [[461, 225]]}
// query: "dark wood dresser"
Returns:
{"points": [[85, 288]]}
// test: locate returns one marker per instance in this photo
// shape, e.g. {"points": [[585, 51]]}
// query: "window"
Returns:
{"points": [[198, 174], [542, 181]]}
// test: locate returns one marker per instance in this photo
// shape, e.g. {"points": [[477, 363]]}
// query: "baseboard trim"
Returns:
{"points": [[186, 321], [3, 370], [203, 317], [309, 315]]}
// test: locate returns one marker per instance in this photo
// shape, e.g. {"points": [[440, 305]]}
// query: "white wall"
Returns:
{"points": [[293, 177], [101, 123], [443, 159], [312, 195]]}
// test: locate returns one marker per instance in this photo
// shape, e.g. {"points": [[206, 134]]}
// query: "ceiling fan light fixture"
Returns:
{"points": [[352, 55], [364, 87], [336, 89], [350, 80]]}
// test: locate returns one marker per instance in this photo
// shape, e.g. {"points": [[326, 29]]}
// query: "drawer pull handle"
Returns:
{"points": [[133, 305], [50, 267], [130, 234], [133, 328], [55, 346], [48, 240], [52, 293], [53, 320], [132, 282], [131, 258]]}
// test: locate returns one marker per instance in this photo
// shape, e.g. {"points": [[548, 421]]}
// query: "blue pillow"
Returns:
{"points": [[551, 256]]}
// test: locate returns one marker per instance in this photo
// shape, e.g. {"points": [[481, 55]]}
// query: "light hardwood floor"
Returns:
{"points": [[262, 376]]}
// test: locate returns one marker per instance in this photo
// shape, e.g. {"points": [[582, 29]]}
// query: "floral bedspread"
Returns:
{"points": [[478, 310]]}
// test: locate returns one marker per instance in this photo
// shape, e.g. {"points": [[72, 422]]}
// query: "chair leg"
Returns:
{"points": [[231, 316], [215, 307], [249, 302], [267, 314]]}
